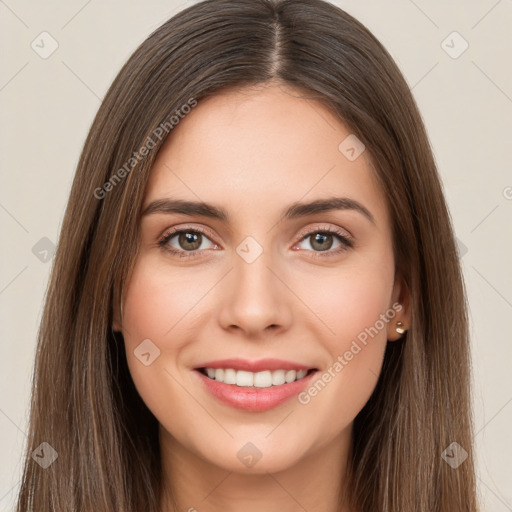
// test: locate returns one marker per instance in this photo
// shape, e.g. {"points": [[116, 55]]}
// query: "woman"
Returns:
{"points": [[256, 302]]}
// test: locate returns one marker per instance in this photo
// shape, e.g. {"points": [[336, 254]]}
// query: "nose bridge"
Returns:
{"points": [[254, 296], [253, 278]]}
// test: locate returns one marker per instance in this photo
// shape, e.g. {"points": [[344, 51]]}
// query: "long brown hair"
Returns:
{"points": [[84, 403]]}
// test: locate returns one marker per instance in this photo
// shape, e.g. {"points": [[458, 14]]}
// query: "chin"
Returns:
{"points": [[255, 457]]}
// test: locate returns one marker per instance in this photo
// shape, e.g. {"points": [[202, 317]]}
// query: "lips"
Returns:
{"points": [[254, 398]]}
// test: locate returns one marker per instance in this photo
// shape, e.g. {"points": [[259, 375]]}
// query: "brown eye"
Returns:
{"points": [[328, 241], [321, 241], [189, 240], [186, 242]]}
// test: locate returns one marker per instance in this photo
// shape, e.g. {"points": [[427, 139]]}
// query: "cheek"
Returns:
{"points": [[350, 299], [159, 302], [158, 306], [352, 304], [358, 335]]}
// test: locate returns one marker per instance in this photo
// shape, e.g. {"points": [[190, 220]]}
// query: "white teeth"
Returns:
{"points": [[290, 376], [264, 379], [301, 374], [229, 376], [278, 377], [242, 378]]}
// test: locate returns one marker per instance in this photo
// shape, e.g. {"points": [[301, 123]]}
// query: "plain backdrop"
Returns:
{"points": [[465, 96]]}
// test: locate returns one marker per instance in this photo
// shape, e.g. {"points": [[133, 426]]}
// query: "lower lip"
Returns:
{"points": [[254, 399]]}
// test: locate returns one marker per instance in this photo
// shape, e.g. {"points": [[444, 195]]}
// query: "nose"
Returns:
{"points": [[254, 298]]}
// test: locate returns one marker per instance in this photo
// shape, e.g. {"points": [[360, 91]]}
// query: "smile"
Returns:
{"points": [[253, 386]]}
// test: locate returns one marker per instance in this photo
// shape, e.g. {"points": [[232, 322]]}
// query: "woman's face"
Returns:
{"points": [[255, 275]]}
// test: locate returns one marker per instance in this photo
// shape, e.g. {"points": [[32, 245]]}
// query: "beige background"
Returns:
{"points": [[48, 105]]}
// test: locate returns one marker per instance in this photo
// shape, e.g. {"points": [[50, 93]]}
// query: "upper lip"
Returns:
{"points": [[254, 366]]}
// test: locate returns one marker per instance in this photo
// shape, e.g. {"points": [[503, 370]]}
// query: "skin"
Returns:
{"points": [[253, 152]]}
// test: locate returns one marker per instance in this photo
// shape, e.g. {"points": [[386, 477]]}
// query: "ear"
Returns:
{"points": [[400, 295]]}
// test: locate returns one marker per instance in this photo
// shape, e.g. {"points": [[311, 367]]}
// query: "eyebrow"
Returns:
{"points": [[293, 211]]}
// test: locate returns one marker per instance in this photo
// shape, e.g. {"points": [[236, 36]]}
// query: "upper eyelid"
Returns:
{"points": [[176, 230], [324, 227]]}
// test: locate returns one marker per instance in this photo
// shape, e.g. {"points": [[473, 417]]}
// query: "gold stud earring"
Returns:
{"points": [[400, 328]]}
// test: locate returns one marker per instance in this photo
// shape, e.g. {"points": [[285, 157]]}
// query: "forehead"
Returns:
{"points": [[259, 148]]}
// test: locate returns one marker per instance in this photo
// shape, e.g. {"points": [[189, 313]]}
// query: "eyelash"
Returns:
{"points": [[346, 241]]}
